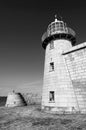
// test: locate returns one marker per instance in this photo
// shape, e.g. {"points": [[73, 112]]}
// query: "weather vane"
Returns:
{"points": [[61, 18], [55, 16]]}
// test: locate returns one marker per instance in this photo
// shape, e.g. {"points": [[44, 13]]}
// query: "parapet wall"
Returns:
{"points": [[32, 99], [75, 60]]}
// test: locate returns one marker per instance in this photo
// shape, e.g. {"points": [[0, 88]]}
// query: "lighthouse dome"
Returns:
{"points": [[57, 26], [58, 30]]}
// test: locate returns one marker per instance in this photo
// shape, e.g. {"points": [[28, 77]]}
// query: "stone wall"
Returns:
{"points": [[15, 99], [32, 98], [76, 64]]}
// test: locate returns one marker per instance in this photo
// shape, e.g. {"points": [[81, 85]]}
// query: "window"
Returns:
{"points": [[61, 25], [51, 45], [14, 102], [52, 66], [51, 96], [57, 25]]}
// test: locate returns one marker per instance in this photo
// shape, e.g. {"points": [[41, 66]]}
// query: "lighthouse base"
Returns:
{"points": [[60, 110]]}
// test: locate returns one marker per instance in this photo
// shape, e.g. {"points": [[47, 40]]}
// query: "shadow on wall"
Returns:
{"points": [[22, 98], [32, 99]]}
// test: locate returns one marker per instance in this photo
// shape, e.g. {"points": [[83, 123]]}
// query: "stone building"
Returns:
{"points": [[15, 99], [64, 86]]}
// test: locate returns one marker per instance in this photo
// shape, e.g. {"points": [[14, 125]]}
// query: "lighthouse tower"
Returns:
{"points": [[58, 93]]}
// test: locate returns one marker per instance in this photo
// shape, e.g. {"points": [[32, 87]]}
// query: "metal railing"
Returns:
{"points": [[49, 33]]}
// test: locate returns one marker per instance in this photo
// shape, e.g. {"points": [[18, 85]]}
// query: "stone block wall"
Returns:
{"points": [[32, 99], [75, 61], [15, 99]]}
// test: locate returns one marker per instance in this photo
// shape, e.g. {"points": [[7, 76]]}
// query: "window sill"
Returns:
{"points": [[51, 71], [51, 101]]}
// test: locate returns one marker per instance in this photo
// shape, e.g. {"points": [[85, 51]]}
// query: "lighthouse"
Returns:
{"points": [[58, 93]]}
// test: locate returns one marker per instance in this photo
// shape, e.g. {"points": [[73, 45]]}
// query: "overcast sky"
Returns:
{"points": [[22, 24]]}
